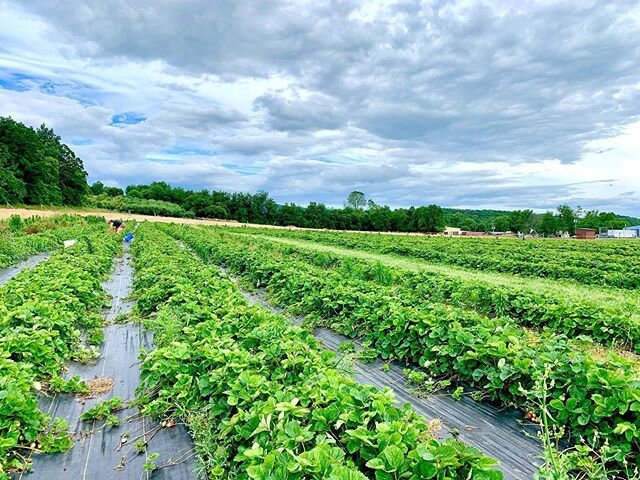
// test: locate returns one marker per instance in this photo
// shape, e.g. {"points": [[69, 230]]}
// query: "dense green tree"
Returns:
{"points": [[520, 221], [356, 200], [501, 223], [96, 188], [596, 220], [12, 188], [567, 219], [548, 225], [429, 219], [37, 168]]}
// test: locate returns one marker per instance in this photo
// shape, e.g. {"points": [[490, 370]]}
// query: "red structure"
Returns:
{"points": [[585, 233]]}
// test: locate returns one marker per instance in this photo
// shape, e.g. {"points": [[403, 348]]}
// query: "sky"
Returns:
{"points": [[464, 104]]}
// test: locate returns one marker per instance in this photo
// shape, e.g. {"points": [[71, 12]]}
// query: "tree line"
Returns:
{"points": [[358, 212], [36, 168]]}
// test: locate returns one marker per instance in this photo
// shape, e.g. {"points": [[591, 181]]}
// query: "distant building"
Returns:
{"points": [[635, 228], [622, 233], [473, 234], [451, 231], [586, 233]]}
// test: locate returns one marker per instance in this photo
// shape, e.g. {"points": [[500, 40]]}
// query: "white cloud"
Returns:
{"points": [[462, 103]]}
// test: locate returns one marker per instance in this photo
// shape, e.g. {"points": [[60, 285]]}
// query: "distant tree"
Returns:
{"points": [[381, 218], [430, 219], [70, 175], [113, 191], [595, 219], [12, 188], [37, 168], [96, 188], [548, 224], [520, 220], [455, 220], [356, 200], [567, 219], [468, 225], [482, 226], [501, 223]]}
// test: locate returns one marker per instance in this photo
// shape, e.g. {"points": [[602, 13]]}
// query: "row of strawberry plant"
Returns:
{"points": [[596, 399], [617, 325], [49, 315], [532, 258], [20, 238], [261, 398]]}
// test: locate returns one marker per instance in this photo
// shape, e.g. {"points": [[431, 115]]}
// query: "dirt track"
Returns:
{"points": [[25, 212], [28, 212]]}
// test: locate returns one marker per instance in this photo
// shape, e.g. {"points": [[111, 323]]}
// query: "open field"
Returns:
{"points": [[275, 351]]}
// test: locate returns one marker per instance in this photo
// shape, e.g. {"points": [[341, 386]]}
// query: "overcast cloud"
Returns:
{"points": [[461, 103]]}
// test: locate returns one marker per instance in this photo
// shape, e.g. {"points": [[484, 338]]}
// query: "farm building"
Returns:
{"points": [[586, 233], [635, 228], [622, 233], [473, 234], [451, 231]]}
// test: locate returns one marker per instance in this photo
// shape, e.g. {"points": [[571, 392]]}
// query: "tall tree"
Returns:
{"points": [[548, 225], [356, 200], [520, 221], [12, 188], [567, 219]]}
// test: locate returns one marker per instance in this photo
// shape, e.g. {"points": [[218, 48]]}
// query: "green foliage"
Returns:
{"points": [[356, 200], [20, 238], [43, 312], [140, 446], [104, 410], [56, 437], [596, 220], [590, 393], [520, 220], [72, 385], [346, 347], [611, 264], [37, 168], [261, 397], [567, 219], [139, 205], [612, 324], [150, 462], [16, 225]]}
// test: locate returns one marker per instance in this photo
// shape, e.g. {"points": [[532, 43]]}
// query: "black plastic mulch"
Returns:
{"points": [[109, 453], [497, 432], [7, 274]]}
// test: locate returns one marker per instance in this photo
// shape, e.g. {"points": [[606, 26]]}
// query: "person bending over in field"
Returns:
{"points": [[116, 225]]}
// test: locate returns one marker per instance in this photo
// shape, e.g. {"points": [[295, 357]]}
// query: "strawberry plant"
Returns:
{"points": [[43, 314], [593, 394], [261, 397]]}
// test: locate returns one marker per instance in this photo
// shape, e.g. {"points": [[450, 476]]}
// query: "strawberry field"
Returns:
{"points": [[611, 264], [263, 398], [501, 343]]}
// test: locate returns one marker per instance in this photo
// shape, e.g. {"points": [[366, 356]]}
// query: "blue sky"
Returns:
{"points": [[461, 103]]}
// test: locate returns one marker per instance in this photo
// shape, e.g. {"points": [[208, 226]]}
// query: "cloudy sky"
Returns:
{"points": [[460, 103]]}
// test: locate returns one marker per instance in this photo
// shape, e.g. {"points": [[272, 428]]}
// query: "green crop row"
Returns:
{"points": [[261, 398], [596, 398], [590, 263], [20, 238], [608, 325], [47, 314]]}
